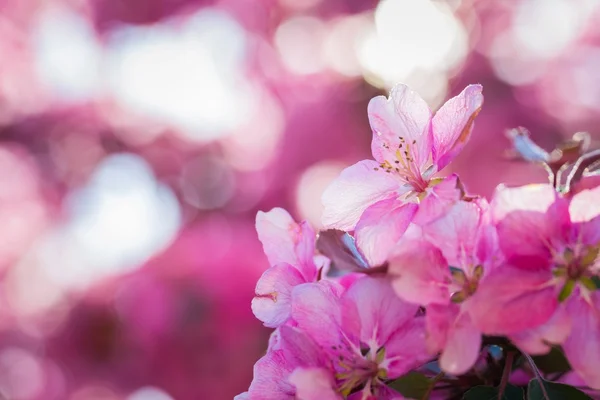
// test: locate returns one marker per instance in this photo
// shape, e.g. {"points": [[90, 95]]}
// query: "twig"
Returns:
{"points": [[510, 356], [538, 375]]}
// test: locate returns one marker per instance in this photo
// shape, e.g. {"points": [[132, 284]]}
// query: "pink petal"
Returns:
{"points": [[285, 241], [243, 396], [274, 340], [529, 220], [538, 340], [314, 384], [440, 198], [270, 378], [456, 233], [381, 226], [586, 182], [439, 318], [373, 312], [300, 349], [583, 345], [585, 205], [357, 187], [406, 350], [305, 251], [453, 123], [488, 248], [403, 115], [348, 280], [571, 378], [292, 349], [509, 300], [588, 233], [585, 214], [419, 272], [462, 346], [272, 300], [316, 309]]}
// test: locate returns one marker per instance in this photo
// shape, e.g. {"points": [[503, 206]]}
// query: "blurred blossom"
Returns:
{"points": [[68, 54], [23, 214], [207, 182], [185, 73], [311, 186], [21, 374], [342, 43], [37, 303], [175, 327], [535, 28], [412, 38], [149, 393], [520, 53], [19, 92], [576, 96], [299, 42], [254, 144], [94, 393], [299, 5], [120, 219]]}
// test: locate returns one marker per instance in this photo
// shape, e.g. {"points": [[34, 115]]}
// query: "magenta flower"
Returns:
{"points": [[366, 336], [378, 198], [442, 270], [290, 249], [546, 292]]}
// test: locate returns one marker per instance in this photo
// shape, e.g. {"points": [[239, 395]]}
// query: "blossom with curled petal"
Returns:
{"points": [[378, 198], [441, 269], [290, 248], [547, 290]]}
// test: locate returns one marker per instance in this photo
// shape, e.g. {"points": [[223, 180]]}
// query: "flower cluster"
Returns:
{"points": [[416, 284]]}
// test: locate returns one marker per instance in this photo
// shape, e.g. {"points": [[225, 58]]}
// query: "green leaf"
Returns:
{"points": [[491, 393], [553, 362], [553, 391], [412, 385]]}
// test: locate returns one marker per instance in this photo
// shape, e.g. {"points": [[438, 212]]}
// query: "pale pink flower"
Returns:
{"points": [[343, 345], [290, 248], [442, 270], [378, 198], [369, 334], [547, 291]]}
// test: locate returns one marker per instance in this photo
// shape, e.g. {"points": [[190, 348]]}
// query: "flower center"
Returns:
{"points": [[404, 164], [360, 371], [577, 266], [466, 284]]}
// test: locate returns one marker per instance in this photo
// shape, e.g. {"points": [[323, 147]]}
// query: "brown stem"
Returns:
{"points": [[510, 356]]}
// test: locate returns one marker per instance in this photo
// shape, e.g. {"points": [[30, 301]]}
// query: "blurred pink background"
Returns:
{"points": [[138, 139]]}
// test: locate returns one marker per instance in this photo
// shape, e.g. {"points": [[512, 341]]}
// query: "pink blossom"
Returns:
{"points": [[368, 319], [547, 290], [365, 337], [290, 248], [378, 198], [442, 270], [291, 349]]}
